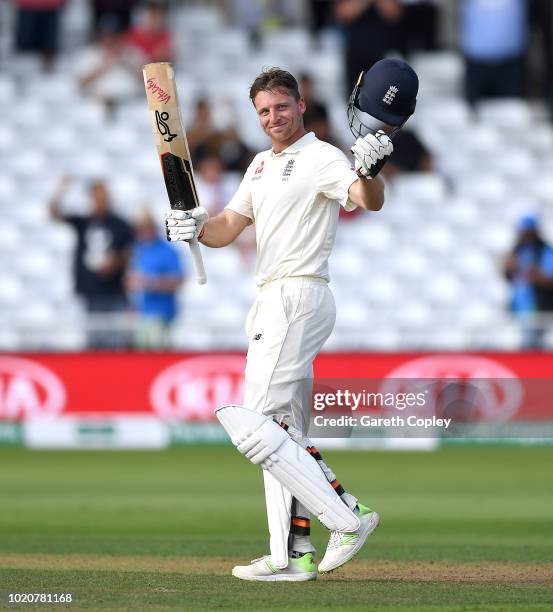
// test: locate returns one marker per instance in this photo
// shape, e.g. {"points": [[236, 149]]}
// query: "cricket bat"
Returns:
{"points": [[172, 146]]}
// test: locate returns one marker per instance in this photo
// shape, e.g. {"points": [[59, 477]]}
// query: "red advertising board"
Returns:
{"points": [[188, 387]]}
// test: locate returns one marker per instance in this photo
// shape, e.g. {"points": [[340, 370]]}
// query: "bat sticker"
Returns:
{"points": [[179, 182], [163, 127]]}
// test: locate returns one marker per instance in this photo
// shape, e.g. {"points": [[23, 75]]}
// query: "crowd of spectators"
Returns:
{"points": [[120, 269], [507, 45]]}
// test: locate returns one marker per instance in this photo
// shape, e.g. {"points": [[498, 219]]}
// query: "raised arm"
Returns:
{"points": [[54, 204], [367, 193]]}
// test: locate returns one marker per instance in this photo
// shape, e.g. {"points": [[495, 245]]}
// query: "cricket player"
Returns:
{"points": [[293, 193]]}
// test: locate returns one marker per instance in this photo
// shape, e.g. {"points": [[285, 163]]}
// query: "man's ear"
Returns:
{"points": [[301, 104]]}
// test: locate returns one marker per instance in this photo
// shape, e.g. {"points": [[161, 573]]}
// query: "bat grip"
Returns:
{"points": [[198, 262]]}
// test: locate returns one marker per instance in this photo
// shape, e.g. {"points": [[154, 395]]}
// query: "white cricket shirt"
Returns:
{"points": [[294, 199]]}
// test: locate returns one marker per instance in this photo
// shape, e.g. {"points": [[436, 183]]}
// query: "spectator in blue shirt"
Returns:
{"points": [[494, 39], [529, 268], [155, 275]]}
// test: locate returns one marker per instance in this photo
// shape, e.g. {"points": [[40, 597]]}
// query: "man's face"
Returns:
{"points": [[146, 231], [279, 114], [100, 199]]}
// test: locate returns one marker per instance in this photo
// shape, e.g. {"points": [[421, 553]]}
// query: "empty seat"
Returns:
{"points": [[381, 288], [11, 291], [8, 138], [443, 114], [475, 264], [444, 289], [483, 187], [27, 164], [410, 263], [292, 42], [347, 263], [54, 89], [37, 265], [507, 114], [7, 89], [438, 239], [425, 188]]}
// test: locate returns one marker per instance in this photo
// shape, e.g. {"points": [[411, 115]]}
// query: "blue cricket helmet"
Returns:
{"points": [[383, 98]]}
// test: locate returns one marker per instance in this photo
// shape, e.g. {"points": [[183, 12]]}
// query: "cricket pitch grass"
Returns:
{"points": [[462, 529]]}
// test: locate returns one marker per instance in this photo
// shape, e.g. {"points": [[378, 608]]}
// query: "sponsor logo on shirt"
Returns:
{"points": [[258, 171], [288, 170]]}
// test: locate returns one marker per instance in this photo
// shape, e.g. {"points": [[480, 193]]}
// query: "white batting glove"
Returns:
{"points": [[185, 224], [371, 152]]}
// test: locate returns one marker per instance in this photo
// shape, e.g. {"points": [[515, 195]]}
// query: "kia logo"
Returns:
{"points": [[192, 389], [28, 390], [493, 391]]}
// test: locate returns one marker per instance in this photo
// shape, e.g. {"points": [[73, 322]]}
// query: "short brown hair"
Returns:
{"points": [[273, 79]]}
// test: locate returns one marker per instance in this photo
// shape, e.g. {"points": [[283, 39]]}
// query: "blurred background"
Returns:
{"points": [[471, 176], [459, 259]]}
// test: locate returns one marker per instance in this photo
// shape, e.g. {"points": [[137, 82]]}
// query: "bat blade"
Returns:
{"points": [[172, 146]]}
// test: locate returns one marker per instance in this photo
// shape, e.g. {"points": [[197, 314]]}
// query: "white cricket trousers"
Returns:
{"points": [[287, 326]]}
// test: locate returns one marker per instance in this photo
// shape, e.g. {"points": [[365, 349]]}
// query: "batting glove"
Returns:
{"points": [[185, 224], [371, 152]]}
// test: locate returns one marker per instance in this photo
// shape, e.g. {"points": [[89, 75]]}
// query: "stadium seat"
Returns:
{"points": [[438, 239], [424, 188], [506, 114], [381, 289], [293, 43], [425, 272], [414, 314], [438, 72], [10, 339], [54, 89], [90, 165], [474, 264], [27, 164], [198, 20], [59, 239], [8, 191], [409, 263], [7, 89], [37, 265], [483, 187], [11, 291], [447, 114], [347, 263], [88, 114], [443, 289]]}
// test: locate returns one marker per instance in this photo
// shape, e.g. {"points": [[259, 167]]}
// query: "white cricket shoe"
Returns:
{"points": [[344, 546], [262, 569]]}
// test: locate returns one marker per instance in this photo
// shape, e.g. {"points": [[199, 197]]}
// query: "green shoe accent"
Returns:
{"points": [[349, 539], [363, 510], [306, 563], [271, 566]]}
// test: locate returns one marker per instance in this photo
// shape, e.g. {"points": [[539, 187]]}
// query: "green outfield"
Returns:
{"points": [[462, 529]]}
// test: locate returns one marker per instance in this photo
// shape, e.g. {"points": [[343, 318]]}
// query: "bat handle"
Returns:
{"points": [[198, 262]]}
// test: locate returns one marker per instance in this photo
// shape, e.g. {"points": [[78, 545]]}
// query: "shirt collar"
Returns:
{"points": [[295, 147]]}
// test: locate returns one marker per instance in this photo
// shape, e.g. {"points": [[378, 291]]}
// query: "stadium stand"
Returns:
{"points": [[424, 273]]}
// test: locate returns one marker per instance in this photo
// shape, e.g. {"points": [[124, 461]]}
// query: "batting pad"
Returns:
{"points": [[265, 443]]}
